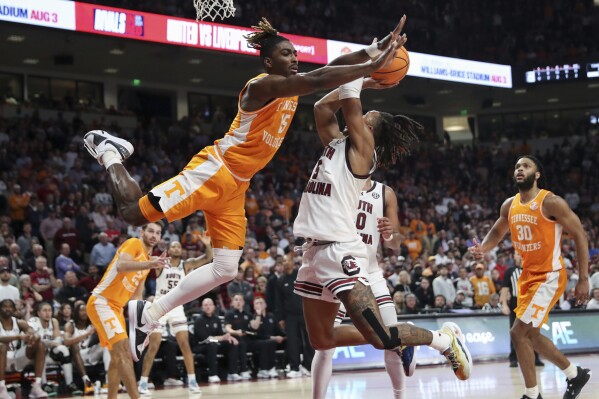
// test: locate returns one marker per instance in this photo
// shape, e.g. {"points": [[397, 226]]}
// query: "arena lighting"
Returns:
{"points": [[110, 21]]}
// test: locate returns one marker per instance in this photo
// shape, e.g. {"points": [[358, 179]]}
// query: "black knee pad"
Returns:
{"points": [[391, 341]]}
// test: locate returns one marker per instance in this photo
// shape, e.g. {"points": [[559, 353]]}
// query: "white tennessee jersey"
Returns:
{"points": [[371, 207], [13, 346], [169, 278], [46, 333], [329, 203], [77, 332]]}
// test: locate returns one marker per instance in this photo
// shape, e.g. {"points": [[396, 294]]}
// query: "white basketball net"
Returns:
{"points": [[213, 9]]}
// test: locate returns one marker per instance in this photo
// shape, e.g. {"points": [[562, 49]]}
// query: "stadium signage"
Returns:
{"points": [[91, 18]]}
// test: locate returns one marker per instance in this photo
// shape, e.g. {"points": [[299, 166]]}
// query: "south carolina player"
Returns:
{"points": [[19, 347], [168, 278], [81, 338], [335, 259], [376, 218], [47, 328]]}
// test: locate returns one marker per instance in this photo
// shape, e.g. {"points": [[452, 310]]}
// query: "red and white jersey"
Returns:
{"points": [[329, 203], [77, 332], [168, 279], [13, 346], [371, 207]]}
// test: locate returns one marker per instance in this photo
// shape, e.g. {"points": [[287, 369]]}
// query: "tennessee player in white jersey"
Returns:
{"points": [[217, 178], [47, 328], [335, 259], [19, 347], [376, 218], [535, 219], [167, 279], [83, 342]]}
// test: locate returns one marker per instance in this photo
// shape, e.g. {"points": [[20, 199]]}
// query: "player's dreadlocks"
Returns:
{"points": [[265, 39], [398, 135]]}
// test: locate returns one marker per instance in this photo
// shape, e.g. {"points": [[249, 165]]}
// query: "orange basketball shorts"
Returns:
{"points": [[205, 184], [537, 294], [108, 319]]}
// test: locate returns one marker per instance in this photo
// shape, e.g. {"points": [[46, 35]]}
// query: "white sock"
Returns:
{"points": [[571, 371], [223, 269], [38, 381], [191, 377], [533, 392], [143, 380], [395, 370], [322, 370], [67, 369], [2, 384], [109, 158], [85, 378], [398, 393], [441, 341]]}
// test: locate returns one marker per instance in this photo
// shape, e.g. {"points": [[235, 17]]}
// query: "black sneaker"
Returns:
{"points": [[74, 390], [140, 327], [576, 384], [528, 397], [513, 364], [539, 363]]}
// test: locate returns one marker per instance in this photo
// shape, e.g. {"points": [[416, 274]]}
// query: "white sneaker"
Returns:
{"points": [[214, 378], [143, 389], [97, 142], [171, 382], [245, 375], [37, 392], [305, 372], [4, 393], [294, 374], [234, 377], [140, 327], [151, 386], [263, 375], [457, 353], [193, 387], [273, 373]]}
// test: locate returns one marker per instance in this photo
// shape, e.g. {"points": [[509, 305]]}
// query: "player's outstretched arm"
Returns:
{"points": [[557, 209], [325, 116], [194, 263], [126, 263], [496, 234]]}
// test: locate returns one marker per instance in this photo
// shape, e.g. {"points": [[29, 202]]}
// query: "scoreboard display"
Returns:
{"points": [[562, 73]]}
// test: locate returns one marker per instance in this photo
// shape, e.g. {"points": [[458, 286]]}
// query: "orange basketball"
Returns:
{"points": [[396, 70]]}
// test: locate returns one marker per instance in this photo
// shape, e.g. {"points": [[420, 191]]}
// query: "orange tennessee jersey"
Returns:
{"points": [[536, 238], [254, 137], [118, 287]]}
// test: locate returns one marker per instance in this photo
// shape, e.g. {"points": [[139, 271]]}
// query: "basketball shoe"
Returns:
{"points": [[97, 142], [140, 328], [457, 353], [576, 384]]}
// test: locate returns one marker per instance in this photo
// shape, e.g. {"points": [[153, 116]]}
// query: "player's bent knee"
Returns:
{"points": [[226, 262], [322, 343]]}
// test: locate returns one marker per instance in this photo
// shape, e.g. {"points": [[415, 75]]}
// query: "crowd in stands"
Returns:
{"points": [[514, 33], [59, 227]]}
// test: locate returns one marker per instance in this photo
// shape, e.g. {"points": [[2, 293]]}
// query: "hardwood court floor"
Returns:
{"points": [[489, 381]]}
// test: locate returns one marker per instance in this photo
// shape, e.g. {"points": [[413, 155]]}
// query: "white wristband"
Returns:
{"points": [[372, 50], [388, 239], [351, 89]]}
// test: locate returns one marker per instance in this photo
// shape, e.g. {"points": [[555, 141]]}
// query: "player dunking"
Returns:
{"points": [[376, 218], [166, 280], [335, 258], [124, 279], [535, 219], [216, 178]]}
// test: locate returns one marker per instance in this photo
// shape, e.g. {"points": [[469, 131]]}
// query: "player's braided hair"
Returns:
{"points": [[398, 136], [265, 38]]}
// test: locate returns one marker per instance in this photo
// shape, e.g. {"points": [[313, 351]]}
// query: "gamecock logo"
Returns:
{"points": [[350, 266]]}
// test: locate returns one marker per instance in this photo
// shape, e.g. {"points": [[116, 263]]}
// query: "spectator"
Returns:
{"points": [[239, 286], [13, 280], [493, 306], [593, 304], [496, 278], [425, 294], [209, 339], [414, 245], [17, 203], [463, 284], [460, 299], [260, 287], [483, 286], [64, 315], [262, 339], [29, 265], [277, 271], [28, 294], [43, 279], [92, 278], [171, 235], [237, 325], [64, 263], [399, 302], [25, 240], [7, 291], [572, 278], [71, 291], [103, 252], [404, 282], [442, 285], [441, 304], [15, 260], [411, 304], [48, 228], [69, 235]]}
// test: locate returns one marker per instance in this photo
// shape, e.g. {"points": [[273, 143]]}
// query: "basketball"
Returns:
{"points": [[395, 71]]}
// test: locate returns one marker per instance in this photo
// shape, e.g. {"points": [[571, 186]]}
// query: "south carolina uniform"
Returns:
{"points": [[168, 279], [216, 178], [90, 354], [16, 356], [105, 305], [371, 207], [334, 257], [538, 240]]}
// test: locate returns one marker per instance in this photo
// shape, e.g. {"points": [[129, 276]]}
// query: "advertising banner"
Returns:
{"points": [[51, 13]]}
